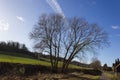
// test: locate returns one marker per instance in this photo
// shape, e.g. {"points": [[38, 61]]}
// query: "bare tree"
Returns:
{"points": [[96, 64], [47, 35], [55, 35], [82, 37]]}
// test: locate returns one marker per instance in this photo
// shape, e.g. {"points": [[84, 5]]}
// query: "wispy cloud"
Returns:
{"points": [[115, 27], [20, 18], [56, 7], [4, 26]]}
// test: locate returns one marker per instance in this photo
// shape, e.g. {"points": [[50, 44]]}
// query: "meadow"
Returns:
{"points": [[6, 57]]}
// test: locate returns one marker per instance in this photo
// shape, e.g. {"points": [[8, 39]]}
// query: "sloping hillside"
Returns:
{"points": [[21, 59]]}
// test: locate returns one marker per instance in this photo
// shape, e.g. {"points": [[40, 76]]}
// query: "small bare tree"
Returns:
{"points": [[56, 36], [96, 64]]}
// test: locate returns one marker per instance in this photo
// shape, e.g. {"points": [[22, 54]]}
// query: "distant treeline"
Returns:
{"points": [[17, 47], [13, 47]]}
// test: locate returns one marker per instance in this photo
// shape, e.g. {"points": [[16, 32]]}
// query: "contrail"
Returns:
{"points": [[56, 7]]}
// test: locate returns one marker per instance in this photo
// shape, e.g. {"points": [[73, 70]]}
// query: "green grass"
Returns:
{"points": [[25, 59], [22, 60], [7, 57], [12, 57]]}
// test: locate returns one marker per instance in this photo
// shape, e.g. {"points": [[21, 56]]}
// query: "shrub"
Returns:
{"points": [[92, 71]]}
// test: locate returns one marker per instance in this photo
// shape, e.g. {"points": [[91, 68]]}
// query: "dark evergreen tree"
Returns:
{"points": [[105, 67], [11, 46]]}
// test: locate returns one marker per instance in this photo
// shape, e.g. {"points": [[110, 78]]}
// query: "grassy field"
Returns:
{"points": [[24, 59]]}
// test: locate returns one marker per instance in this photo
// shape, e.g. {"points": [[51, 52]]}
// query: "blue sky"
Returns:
{"points": [[18, 17]]}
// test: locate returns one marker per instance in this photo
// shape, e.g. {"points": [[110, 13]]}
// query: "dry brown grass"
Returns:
{"points": [[48, 76]]}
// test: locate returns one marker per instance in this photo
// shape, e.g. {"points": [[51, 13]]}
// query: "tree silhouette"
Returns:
{"points": [[11, 46], [105, 67], [67, 37]]}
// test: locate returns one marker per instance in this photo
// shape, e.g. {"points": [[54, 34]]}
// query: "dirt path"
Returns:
{"points": [[103, 77]]}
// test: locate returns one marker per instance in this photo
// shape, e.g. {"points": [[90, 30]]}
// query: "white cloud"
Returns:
{"points": [[115, 27], [56, 7], [4, 26], [20, 18]]}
